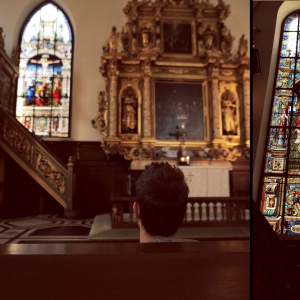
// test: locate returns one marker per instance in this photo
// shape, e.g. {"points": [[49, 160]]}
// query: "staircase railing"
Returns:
{"points": [[27, 149]]}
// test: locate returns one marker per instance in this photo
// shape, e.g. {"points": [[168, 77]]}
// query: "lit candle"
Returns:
{"points": [[188, 160], [181, 159]]}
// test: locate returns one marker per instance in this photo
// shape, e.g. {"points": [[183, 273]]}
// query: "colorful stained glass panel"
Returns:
{"points": [[289, 42], [272, 192], [45, 72], [291, 23]]}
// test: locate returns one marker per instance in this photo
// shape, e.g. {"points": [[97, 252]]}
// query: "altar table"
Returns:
{"points": [[203, 180], [207, 181]]}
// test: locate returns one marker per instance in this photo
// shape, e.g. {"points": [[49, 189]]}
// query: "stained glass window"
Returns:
{"points": [[280, 202], [44, 84]]}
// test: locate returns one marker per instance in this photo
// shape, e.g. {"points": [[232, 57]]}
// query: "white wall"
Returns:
{"points": [[92, 21]]}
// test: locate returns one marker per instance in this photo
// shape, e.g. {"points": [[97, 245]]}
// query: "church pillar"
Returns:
{"points": [[246, 96], [112, 130], [216, 108], [146, 108]]}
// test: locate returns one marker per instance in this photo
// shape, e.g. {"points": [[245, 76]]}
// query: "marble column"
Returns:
{"points": [[146, 108]]}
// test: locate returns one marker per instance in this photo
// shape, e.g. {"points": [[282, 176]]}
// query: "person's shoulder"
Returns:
{"points": [[172, 240]]}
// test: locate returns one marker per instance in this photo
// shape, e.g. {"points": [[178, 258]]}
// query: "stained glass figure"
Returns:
{"points": [[280, 187], [43, 94]]}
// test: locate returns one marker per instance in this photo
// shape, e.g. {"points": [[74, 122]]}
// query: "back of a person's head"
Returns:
{"points": [[162, 194]]}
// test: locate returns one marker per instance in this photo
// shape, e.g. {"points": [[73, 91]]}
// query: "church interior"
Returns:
{"points": [[90, 93]]}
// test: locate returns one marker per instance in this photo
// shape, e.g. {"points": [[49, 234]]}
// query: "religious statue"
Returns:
{"points": [[129, 112], [243, 47], [226, 40], [145, 39], [228, 104], [113, 40], [134, 47], [209, 37], [126, 37], [201, 47]]}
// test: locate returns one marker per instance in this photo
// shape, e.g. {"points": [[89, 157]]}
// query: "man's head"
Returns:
{"points": [[161, 199]]}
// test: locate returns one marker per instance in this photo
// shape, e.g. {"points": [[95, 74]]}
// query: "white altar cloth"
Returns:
{"points": [[207, 181], [204, 180]]}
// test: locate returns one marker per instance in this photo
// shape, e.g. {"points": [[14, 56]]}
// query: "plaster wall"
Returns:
{"points": [[92, 21]]}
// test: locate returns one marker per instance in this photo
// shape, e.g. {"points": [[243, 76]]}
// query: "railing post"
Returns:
{"points": [[69, 212]]}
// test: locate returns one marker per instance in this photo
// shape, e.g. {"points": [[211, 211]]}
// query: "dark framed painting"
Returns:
{"points": [[179, 104], [177, 38]]}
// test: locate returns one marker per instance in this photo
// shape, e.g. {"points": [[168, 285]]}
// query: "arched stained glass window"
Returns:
{"points": [[44, 84], [280, 186]]}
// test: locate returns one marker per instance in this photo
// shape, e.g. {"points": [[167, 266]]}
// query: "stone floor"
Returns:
{"points": [[44, 228], [52, 228]]}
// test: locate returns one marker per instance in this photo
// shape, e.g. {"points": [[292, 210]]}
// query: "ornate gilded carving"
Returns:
{"points": [[100, 121], [243, 47], [50, 172], [112, 132], [223, 152], [109, 148], [17, 141], [184, 41], [246, 94], [179, 71], [146, 108], [136, 152]]}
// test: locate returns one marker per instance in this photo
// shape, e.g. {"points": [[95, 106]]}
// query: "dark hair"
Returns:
{"points": [[161, 192]]}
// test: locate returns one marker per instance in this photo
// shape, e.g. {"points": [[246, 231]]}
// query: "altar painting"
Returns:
{"points": [[177, 38], [179, 104]]}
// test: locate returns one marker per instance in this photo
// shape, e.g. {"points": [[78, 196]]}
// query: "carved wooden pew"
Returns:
{"points": [[203, 270]]}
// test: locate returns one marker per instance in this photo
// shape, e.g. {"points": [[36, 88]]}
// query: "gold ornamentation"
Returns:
{"points": [[144, 60], [100, 121], [179, 71], [50, 172], [18, 142], [130, 70], [227, 73], [136, 152]]}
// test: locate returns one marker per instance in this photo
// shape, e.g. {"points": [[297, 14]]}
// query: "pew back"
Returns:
{"points": [[203, 270]]}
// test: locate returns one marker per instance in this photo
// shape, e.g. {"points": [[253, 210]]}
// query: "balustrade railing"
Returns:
{"points": [[206, 211]]}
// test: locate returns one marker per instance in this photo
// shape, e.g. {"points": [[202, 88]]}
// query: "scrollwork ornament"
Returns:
{"points": [[18, 142], [50, 172]]}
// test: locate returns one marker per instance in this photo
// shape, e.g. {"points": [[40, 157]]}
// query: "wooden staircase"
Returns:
{"points": [[28, 150]]}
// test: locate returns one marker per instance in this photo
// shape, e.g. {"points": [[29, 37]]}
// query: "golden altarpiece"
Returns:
{"points": [[173, 83]]}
